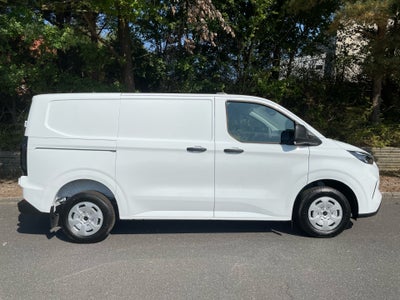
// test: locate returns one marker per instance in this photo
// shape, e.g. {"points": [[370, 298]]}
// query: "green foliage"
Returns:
{"points": [[380, 135], [377, 22], [80, 46], [11, 136]]}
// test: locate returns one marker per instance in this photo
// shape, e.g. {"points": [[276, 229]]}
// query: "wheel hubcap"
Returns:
{"points": [[85, 219], [325, 213]]}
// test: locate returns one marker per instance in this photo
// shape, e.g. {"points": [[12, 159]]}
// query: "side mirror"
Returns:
{"points": [[287, 137], [303, 137]]}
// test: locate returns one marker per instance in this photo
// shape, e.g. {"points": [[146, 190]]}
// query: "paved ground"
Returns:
{"points": [[201, 260]]}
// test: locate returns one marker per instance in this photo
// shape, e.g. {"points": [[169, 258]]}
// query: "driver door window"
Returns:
{"points": [[256, 123]]}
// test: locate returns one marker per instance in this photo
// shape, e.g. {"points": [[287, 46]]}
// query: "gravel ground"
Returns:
{"points": [[390, 184], [10, 188]]}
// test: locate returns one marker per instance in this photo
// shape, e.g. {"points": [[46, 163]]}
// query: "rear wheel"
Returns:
{"points": [[323, 212], [87, 217]]}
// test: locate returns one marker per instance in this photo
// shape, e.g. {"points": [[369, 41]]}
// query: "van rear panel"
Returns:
{"points": [[71, 137]]}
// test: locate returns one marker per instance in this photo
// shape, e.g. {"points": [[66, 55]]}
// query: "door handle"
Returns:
{"points": [[233, 151], [196, 149]]}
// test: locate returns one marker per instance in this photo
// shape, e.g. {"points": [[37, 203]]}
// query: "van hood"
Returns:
{"points": [[348, 147]]}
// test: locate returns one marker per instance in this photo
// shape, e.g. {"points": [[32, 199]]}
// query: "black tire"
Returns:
{"points": [[322, 212], [87, 217]]}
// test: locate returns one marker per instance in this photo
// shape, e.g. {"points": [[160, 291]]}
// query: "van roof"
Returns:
{"points": [[76, 96], [117, 96]]}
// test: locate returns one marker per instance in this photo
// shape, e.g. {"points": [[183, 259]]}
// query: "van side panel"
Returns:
{"points": [[50, 168], [80, 116], [70, 137], [158, 172], [84, 119]]}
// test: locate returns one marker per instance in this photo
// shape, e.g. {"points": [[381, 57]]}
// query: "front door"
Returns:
{"points": [[255, 175]]}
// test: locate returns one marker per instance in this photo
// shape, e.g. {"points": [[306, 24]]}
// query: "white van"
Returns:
{"points": [[91, 158]]}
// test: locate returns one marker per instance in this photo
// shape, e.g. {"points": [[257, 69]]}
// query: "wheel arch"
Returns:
{"points": [[76, 186], [335, 184]]}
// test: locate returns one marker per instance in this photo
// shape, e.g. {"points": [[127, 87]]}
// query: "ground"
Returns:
{"points": [[10, 188], [390, 183]]}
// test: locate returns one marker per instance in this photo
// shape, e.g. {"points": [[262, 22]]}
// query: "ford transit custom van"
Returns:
{"points": [[89, 159]]}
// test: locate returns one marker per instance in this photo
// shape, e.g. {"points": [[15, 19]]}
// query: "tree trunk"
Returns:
{"points": [[290, 64], [91, 19], [126, 54], [376, 98], [276, 62], [378, 74]]}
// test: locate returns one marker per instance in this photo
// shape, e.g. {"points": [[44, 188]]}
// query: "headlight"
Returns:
{"points": [[364, 157]]}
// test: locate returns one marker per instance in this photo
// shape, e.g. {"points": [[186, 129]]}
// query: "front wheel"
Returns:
{"points": [[323, 212], [87, 217]]}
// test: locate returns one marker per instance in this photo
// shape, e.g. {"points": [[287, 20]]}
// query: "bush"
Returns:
{"points": [[381, 135], [11, 137]]}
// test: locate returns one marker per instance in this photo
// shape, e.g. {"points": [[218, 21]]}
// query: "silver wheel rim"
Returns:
{"points": [[85, 219], [325, 214]]}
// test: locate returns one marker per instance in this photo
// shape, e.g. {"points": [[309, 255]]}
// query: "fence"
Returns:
{"points": [[388, 159], [9, 165]]}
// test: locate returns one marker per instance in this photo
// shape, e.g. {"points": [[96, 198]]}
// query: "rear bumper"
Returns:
{"points": [[34, 194]]}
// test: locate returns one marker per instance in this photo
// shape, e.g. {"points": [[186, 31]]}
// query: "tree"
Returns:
{"points": [[269, 34], [378, 23]]}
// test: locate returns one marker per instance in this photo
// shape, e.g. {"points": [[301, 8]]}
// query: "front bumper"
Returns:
{"points": [[374, 203]]}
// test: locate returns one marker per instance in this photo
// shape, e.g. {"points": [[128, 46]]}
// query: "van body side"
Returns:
{"points": [[188, 156]]}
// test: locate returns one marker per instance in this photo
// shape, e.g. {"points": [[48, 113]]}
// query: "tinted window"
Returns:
{"points": [[256, 123]]}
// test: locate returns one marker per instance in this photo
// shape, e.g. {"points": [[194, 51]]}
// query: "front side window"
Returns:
{"points": [[256, 123]]}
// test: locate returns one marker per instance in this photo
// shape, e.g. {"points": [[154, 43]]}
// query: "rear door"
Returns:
{"points": [[255, 176], [165, 156]]}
